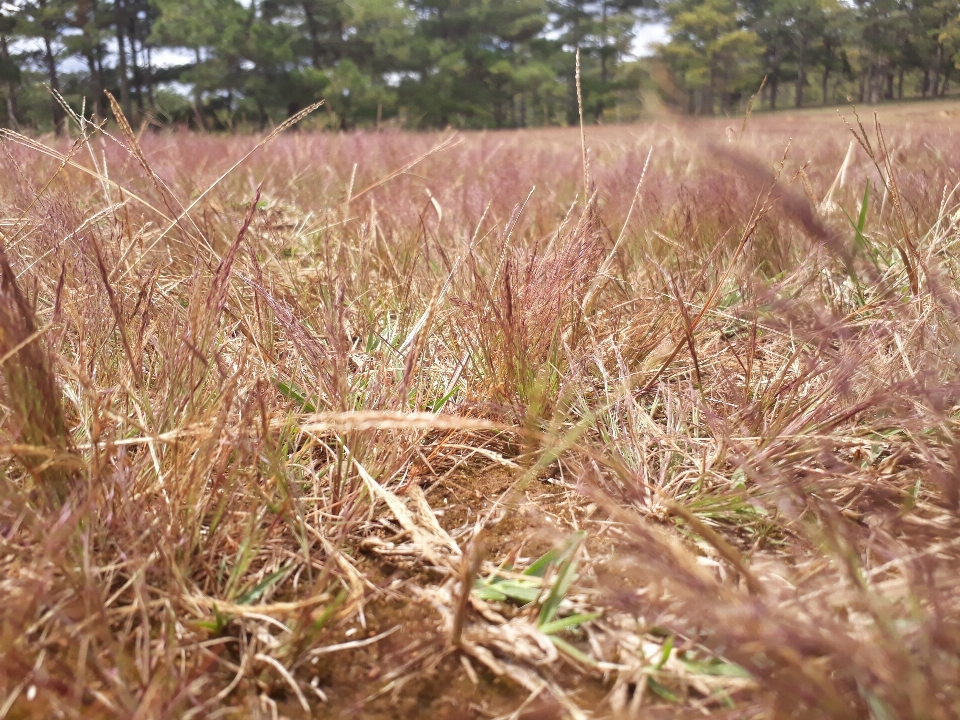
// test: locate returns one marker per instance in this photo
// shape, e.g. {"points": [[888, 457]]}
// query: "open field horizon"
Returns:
{"points": [[484, 424]]}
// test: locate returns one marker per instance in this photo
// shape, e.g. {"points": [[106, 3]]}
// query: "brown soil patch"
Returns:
{"points": [[412, 673]]}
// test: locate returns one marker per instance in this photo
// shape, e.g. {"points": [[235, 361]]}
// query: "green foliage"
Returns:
{"points": [[556, 569], [720, 50], [460, 63], [426, 63], [711, 50]]}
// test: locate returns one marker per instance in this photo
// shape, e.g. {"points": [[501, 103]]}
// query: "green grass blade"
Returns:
{"points": [[539, 567], [570, 621], [665, 654], [717, 669], [570, 650], [565, 577], [862, 220], [499, 590], [292, 392], [250, 597], [662, 691]]}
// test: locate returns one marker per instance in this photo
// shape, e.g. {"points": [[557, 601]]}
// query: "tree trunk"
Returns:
{"points": [[198, 96], [573, 107], [801, 73], [59, 116], [946, 82], [11, 87], [341, 35], [774, 84], [122, 58], [925, 83], [824, 85], [935, 84], [137, 75], [96, 84], [87, 15], [12, 105], [603, 47], [900, 83], [710, 93], [148, 80], [313, 30], [102, 100], [264, 118]]}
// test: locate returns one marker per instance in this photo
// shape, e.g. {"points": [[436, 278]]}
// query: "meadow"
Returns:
{"points": [[479, 425]]}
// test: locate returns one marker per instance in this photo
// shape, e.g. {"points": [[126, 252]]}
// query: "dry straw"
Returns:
{"points": [[261, 454]]}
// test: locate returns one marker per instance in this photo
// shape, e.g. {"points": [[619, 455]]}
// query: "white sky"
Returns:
{"points": [[647, 36]]}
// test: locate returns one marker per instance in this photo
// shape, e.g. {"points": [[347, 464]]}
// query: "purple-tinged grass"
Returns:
{"points": [[244, 442]]}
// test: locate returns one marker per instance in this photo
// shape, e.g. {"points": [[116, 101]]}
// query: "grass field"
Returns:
{"points": [[409, 425]]}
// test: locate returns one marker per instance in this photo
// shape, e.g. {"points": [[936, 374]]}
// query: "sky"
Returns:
{"points": [[647, 36]]}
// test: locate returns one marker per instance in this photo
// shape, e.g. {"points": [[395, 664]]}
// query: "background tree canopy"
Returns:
{"points": [[219, 64]]}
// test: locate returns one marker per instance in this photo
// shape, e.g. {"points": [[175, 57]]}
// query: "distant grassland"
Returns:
{"points": [[409, 425]]}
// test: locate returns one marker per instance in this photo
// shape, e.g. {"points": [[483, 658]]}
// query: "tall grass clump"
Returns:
{"points": [[402, 425]]}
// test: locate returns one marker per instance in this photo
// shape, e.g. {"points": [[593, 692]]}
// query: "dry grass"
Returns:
{"points": [[293, 442]]}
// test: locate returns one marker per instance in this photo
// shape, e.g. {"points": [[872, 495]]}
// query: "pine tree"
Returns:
{"points": [[45, 21], [711, 52], [10, 74], [466, 60]]}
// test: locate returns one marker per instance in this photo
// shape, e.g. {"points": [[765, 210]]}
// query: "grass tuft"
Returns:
{"points": [[673, 433]]}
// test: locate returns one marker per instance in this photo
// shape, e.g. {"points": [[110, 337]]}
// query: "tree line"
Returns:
{"points": [[215, 63], [218, 64], [808, 51]]}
